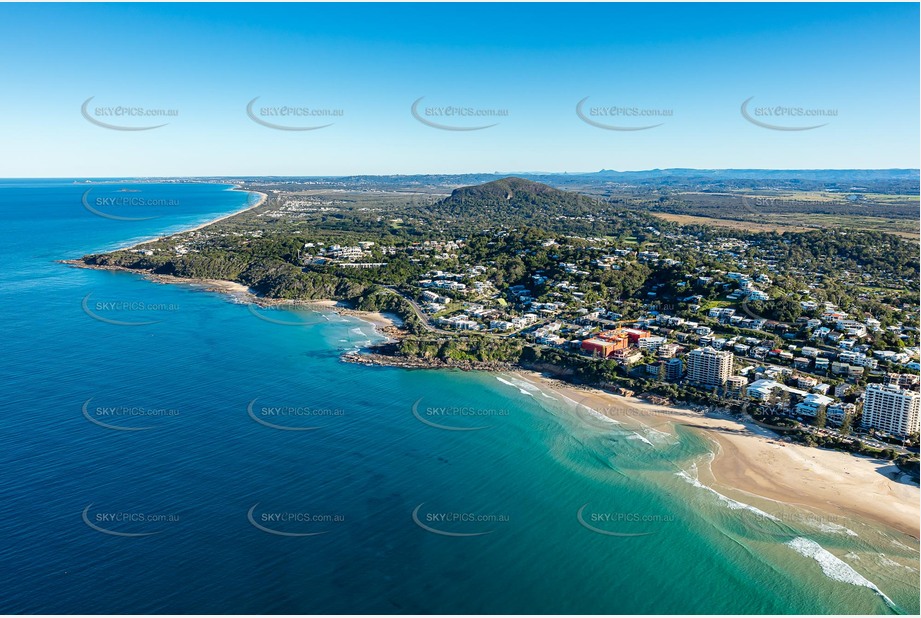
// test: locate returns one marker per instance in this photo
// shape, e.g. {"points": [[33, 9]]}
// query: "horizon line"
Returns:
{"points": [[492, 173]]}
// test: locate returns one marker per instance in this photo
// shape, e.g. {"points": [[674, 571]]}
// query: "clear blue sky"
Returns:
{"points": [[536, 61]]}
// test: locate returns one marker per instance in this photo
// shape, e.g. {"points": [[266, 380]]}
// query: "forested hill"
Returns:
{"points": [[516, 201]]}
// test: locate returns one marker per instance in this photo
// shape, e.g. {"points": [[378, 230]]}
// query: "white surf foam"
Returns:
{"points": [[523, 388], [601, 417], [735, 505], [659, 437], [636, 436], [832, 527], [524, 385], [887, 562], [834, 567]]}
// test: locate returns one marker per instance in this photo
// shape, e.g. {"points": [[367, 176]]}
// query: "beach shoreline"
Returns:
{"points": [[751, 466], [262, 199], [385, 324]]}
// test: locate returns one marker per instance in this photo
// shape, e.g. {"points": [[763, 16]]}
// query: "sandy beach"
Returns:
{"points": [[384, 323], [751, 466], [262, 198]]}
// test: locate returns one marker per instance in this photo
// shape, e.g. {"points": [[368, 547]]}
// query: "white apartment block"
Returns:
{"points": [[709, 367], [891, 409]]}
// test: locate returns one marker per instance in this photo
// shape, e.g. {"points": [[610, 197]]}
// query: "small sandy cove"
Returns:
{"points": [[750, 462]]}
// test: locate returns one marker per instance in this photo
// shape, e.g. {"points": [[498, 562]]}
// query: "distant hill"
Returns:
{"points": [[515, 201], [511, 192], [514, 198]]}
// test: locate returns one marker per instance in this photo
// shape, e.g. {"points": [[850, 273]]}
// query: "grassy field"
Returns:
{"points": [[905, 228], [801, 223], [730, 223], [710, 304], [785, 210]]}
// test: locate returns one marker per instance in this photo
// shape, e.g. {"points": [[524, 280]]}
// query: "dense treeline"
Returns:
{"points": [[475, 348], [378, 299]]}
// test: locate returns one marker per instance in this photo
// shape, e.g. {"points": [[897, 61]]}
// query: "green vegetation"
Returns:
{"points": [[470, 348]]}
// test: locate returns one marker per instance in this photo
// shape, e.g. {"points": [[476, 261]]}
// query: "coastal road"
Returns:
{"points": [[434, 329], [419, 313]]}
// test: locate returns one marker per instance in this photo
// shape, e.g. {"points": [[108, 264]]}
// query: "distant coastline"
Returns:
{"points": [[262, 198]]}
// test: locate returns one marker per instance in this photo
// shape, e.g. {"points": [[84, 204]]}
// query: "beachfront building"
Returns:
{"points": [[669, 370], [673, 369], [837, 411], [627, 356], [812, 403], [764, 390], [709, 367], [891, 409], [736, 384]]}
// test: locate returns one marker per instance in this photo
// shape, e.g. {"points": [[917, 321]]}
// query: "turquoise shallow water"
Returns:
{"points": [[539, 507]]}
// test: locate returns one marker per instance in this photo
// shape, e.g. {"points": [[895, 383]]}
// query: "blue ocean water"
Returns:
{"points": [[167, 450]]}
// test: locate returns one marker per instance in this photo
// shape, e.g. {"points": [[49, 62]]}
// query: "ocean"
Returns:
{"points": [[165, 449]]}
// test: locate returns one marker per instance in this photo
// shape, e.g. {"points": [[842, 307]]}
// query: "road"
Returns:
{"points": [[434, 329], [419, 313]]}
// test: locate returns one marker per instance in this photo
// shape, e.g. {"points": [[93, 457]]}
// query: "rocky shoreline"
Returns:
{"points": [[384, 324], [382, 359]]}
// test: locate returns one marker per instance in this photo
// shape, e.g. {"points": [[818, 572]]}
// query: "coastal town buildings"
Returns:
{"points": [[709, 367], [891, 409]]}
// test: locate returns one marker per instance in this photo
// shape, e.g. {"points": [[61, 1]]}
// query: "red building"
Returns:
{"points": [[619, 339], [599, 347], [634, 334]]}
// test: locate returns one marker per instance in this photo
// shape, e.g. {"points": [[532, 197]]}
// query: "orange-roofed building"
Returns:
{"points": [[599, 347], [619, 339]]}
